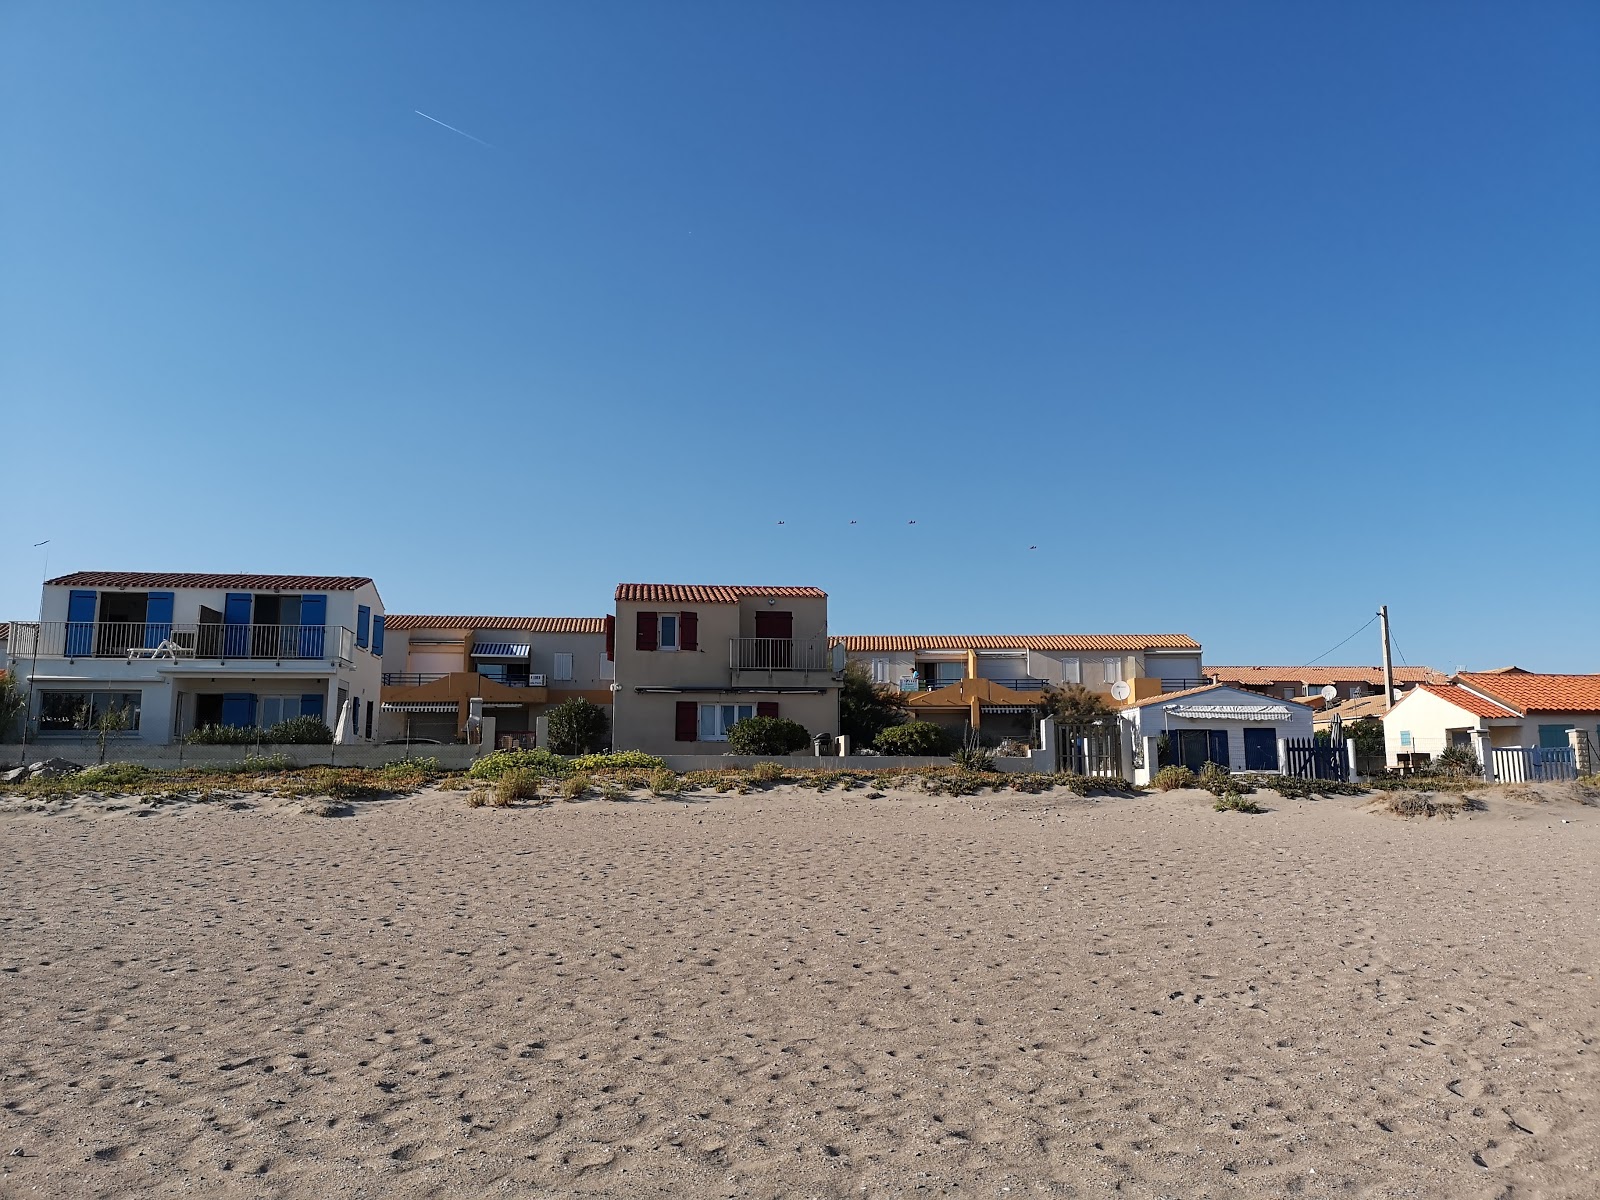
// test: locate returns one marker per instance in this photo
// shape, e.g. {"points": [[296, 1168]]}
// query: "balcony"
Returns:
{"points": [[418, 678], [755, 661], [179, 641], [1169, 684]]}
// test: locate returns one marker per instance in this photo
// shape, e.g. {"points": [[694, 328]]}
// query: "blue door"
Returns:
{"points": [[311, 705], [1260, 749], [236, 625], [313, 617], [157, 619], [80, 623]]}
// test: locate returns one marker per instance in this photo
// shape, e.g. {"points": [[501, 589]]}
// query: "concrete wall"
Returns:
{"points": [[649, 722], [855, 762], [450, 757]]}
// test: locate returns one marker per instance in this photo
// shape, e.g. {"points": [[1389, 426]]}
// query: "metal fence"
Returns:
{"points": [[178, 640], [778, 654]]}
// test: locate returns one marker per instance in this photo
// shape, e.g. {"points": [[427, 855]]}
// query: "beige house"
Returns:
{"points": [[691, 660], [1291, 683], [517, 668]]}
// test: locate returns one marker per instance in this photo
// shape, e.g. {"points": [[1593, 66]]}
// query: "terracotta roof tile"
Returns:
{"points": [[1322, 676], [1195, 691], [866, 644], [182, 579], [698, 593], [1530, 693], [1467, 701], [402, 621]]}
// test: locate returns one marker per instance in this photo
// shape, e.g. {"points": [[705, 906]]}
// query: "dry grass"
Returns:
{"points": [[1427, 804], [576, 787], [518, 785], [663, 782]]}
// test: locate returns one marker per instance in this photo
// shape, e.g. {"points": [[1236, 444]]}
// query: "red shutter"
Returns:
{"points": [[689, 631], [611, 638], [645, 637], [688, 721], [767, 708]]}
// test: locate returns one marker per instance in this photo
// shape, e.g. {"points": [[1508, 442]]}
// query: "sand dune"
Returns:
{"points": [[787, 994]]}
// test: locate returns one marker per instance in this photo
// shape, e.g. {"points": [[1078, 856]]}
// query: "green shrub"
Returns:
{"points": [[1234, 802], [224, 735], [575, 787], [518, 783], [577, 726], [767, 735], [262, 763], [112, 775], [1170, 779], [1459, 762], [913, 739], [1215, 779], [972, 755], [540, 761], [299, 731], [663, 782], [767, 772], [625, 760]]}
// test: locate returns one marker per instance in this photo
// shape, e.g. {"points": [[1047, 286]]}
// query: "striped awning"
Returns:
{"points": [[1229, 712], [501, 704], [417, 706], [500, 650]]}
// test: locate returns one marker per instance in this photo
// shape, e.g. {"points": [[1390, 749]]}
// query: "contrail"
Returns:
{"points": [[451, 128]]}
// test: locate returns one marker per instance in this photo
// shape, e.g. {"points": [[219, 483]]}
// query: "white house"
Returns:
{"points": [[1496, 710], [176, 651], [1232, 727]]}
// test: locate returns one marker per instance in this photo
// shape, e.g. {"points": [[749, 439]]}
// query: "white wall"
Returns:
{"points": [[1152, 720]]}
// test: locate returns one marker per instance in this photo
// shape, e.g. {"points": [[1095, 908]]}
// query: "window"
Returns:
{"points": [[717, 719], [563, 666], [1358, 689], [1288, 693], [363, 624], [667, 632], [272, 709], [608, 667], [1071, 671], [880, 670], [63, 712], [1113, 669], [1405, 737]]}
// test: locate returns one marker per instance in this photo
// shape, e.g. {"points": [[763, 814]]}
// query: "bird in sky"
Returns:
{"points": [[913, 521]]}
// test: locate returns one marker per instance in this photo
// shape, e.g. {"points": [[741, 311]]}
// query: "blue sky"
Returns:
{"points": [[1248, 316]]}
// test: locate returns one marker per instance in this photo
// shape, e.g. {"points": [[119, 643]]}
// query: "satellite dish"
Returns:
{"points": [[1119, 690], [1330, 693]]}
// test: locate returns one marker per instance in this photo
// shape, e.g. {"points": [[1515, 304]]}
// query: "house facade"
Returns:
{"points": [[1232, 727], [691, 660], [1288, 683], [518, 668], [993, 683], [174, 652], [1496, 710]]}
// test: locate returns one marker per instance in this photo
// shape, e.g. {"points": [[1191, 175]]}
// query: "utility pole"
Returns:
{"points": [[1388, 661]]}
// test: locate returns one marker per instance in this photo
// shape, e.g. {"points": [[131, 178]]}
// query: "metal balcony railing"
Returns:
{"points": [[778, 654], [1170, 684], [179, 640], [411, 678]]}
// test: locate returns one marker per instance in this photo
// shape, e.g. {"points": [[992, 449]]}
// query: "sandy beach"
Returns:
{"points": [[799, 994]]}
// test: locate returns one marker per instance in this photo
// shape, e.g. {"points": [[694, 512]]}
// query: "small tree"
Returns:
{"points": [[113, 720], [767, 735], [577, 727], [866, 708], [1077, 709], [13, 704]]}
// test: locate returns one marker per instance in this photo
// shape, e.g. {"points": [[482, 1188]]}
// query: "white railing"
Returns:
{"points": [[179, 640], [778, 654]]}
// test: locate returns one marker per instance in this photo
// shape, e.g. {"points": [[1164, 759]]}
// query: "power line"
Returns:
{"points": [[1396, 643], [1331, 649]]}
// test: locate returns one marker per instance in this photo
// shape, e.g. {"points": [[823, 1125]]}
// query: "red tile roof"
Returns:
{"points": [[1470, 702], [1530, 693], [165, 579], [398, 621], [1322, 676], [697, 593], [858, 644]]}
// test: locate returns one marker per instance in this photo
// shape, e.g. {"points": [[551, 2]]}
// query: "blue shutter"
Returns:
{"points": [[157, 619], [377, 636], [1553, 737], [1217, 747], [363, 623], [80, 623], [239, 709], [311, 705], [236, 625], [313, 617]]}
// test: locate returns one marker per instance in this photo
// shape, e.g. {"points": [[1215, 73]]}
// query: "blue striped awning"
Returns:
{"points": [[500, 650]]}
